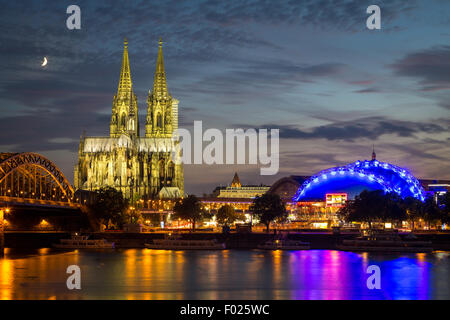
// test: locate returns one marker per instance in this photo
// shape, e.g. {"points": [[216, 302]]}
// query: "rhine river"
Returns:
{"points": [[228, 274]]}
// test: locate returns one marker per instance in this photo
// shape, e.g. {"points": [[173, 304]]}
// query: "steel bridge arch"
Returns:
{"points": [[11, 162], [372, 170]]}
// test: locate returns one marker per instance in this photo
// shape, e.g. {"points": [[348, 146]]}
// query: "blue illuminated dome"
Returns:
{"points": [[358, 176]]}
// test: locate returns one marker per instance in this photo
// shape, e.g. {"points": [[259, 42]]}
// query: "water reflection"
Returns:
{"points": [[227, 274]]}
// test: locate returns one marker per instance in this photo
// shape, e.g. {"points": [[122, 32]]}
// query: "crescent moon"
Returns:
{"points": [[44, 63]]}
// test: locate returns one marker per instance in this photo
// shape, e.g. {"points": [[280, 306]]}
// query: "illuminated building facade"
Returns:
{"points": [[286, 187], [237, 190], [437, 187], [355, 177], [140, 167], [317, 198], [240, 205]]}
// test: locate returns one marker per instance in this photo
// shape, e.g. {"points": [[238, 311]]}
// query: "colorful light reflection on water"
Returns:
{"points": [[229, 274]]}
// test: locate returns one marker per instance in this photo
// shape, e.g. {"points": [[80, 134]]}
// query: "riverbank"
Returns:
{"points": [[318, 240]]}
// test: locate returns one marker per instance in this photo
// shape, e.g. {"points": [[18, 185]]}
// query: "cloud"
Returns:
{"points": [[368, 90], [431, 67], [220, 56], [247, 78], [445, 105], [343, 15], [361, 82], [369, 128]]}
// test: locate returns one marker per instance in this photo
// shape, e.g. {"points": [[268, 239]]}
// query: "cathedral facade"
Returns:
{"points": [[141, 167]]}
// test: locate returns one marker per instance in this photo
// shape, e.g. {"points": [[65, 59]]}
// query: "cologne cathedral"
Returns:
{"points": [[141, 167]]}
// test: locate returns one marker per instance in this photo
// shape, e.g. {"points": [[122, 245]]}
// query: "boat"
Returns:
{"points": [[83, 242], [386, 241], [283, 244], [176, 243]]}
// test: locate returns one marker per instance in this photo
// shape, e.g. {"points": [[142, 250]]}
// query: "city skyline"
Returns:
{"points": [[314, 71]]}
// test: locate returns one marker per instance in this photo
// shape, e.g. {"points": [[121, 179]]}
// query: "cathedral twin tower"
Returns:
{"points": [[162, 108], [141, 167]]}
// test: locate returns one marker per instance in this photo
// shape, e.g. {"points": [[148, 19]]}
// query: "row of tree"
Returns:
{"points": [[268, 208], [111, 208], [377, 206]]}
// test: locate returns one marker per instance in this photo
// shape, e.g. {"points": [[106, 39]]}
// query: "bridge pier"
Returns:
{"points": [[2, 235]]}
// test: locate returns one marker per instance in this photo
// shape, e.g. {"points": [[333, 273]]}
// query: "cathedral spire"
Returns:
{"points": [[125, 84], [124, 118], [374, 155], [159, 83], [162, 110]]}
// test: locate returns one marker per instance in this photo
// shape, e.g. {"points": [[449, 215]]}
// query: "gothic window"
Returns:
{"points": [[131, 124], [123, 120], [161, 169], [159, 121], [141, 170], [171, 171], [150, 117]]}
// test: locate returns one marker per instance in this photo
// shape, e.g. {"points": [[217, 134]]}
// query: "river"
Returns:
{"points": [[228, 274]]}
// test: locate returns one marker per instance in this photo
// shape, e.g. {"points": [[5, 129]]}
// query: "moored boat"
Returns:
{"points": [[282, 244], [83, 242], [382, 241], [175, 243]]}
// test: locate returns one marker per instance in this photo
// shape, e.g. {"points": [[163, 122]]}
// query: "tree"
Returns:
{"points": [[368, 207], [372, 206], [427, 210], [190, 209], [377, 206], [393, 209], [109, 206], [226, 215], [431, 213], [444, 201], [413, 209], [136, 198], [268, 208], [133, 215]]}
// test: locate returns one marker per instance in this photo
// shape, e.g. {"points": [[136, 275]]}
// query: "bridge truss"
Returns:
{"points": [[31, 176]]}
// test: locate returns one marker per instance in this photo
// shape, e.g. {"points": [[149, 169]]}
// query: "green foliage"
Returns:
{"points": [[372, 206], [414, 209], [226, 215], [190, 209], [393, 210], [431, 212], [268, 208], [444, 200], [133, 216], [135, 199], [365, 208], [109, 206], [376, 206]]}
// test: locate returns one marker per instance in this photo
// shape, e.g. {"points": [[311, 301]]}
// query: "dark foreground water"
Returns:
{"points": [[229, 274]]}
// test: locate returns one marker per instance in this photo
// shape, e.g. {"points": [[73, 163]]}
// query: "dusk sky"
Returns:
{"points": [[310, 68]]}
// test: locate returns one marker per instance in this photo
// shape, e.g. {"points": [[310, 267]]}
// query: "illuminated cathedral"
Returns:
{"points": [[140, 167]]}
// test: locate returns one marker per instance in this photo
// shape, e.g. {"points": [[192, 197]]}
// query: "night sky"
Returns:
{"points": [[310, 68]]}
